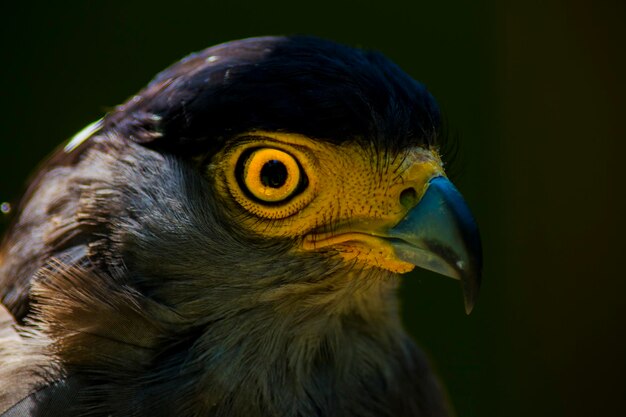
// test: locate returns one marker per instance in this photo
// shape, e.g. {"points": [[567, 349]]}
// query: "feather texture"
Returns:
{"points": [[135, 291]]}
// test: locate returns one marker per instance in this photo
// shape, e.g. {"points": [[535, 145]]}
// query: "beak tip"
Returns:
{"points": [[471, 286], [469, 306]]}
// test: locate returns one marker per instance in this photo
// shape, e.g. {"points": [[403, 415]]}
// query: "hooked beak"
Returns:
{"points": [[440, 234]]}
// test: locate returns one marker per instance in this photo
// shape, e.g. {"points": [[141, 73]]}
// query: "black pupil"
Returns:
{"points": [[274, 174]]}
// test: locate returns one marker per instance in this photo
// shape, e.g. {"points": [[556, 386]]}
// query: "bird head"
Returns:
{"points": [[257, 168], [283, 163]]}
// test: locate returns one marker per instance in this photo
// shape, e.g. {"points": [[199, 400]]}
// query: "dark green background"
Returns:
{"points": [[533, 89]]}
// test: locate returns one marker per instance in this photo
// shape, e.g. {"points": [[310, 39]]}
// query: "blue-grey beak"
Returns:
{"points": [[440, 234]]}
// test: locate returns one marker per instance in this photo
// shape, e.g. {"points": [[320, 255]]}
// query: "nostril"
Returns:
{"points": [[408, 197]]}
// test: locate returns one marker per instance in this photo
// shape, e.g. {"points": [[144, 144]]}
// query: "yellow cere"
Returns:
{"points": [[338, 199]]}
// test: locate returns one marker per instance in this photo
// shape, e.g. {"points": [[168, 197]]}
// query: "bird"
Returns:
{"points": [[230, 242]]}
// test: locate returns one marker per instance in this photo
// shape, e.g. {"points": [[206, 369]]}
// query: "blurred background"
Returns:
{"points": [[535, 92]]}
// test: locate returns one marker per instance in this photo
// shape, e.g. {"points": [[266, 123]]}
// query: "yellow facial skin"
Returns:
{"points": [[336, 199]]}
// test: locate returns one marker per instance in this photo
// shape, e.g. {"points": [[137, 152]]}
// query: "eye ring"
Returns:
{"points": [[269, 175], [298, 161]]}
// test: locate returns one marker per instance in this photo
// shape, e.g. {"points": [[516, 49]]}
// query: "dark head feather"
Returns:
{"points": [[294, 84]]}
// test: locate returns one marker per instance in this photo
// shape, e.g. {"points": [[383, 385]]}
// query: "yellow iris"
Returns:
{"points": [[271, 175]]}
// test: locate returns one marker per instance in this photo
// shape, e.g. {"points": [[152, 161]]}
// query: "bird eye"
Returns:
{"points": [[270, 175], [267, 177]]}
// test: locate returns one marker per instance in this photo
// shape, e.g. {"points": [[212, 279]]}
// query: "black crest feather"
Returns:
{"points": [[294, 84]]}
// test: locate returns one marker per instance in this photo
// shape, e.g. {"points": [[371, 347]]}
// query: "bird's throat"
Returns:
{"points": [[313, 356]]}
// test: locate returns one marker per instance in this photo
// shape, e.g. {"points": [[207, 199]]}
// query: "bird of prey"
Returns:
{"points": [[229, 242]]}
